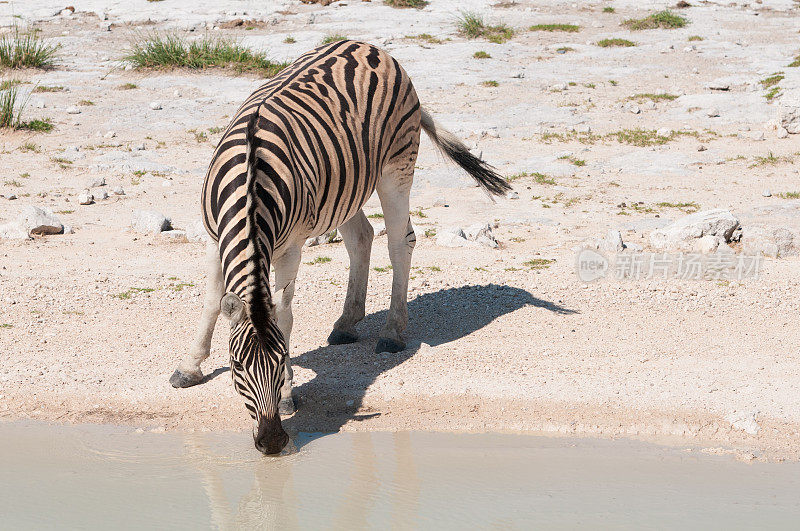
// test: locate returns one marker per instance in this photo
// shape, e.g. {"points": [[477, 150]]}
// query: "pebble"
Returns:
{"points": [[633, 108], [140, 147], [613, 241], [117, 190], [713, 113], [110, 134], [440, 202], [166, 182], [86, 198], [701, 147], [95, 182], [100, 195], [156, 105], [513, 195], [782, 133], [766, 193], [73, 110], [150, 221]]}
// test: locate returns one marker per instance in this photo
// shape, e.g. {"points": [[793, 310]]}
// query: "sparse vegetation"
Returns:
{"points": [[332, 37], [289, 40], [48, 88], [771, 160], [11, 113], [539, 178], [789, 195], [430, 233], [608, 10], [124, 295], [565, 49], [128, 86], [376, 215], [653, 97], [472, 26], [695, 38], [481, 55], [772, 93], [569, 28], [687, 207], [538, 263], [663, 20], [26, 50], [416, 4], [612, 43], [490, 83], [795, 63], [172, 51], [427, 37], [418, 213], [86, 103], [319, 260], [573, 160], [6, 325], [62, 162], [15, 184], [382, 269], [772, 80], [8, 83], [28, 147]]}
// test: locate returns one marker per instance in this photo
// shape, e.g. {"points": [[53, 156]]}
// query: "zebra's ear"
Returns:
{"points": [[232, 307]]}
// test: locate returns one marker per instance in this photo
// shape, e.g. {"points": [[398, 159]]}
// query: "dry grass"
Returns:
{"points": [[661, 20], [472, 26]]}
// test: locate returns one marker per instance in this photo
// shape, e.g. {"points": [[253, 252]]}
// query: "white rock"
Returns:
{"points": [[767, 241], [156, 105], [766, 193], [95, 182], [451, 239], [632, 108], [790, 119], [440, 202], [110, 134], [649, 105], [39, 104], [513, 195], [708, 244], [86, 198], [559, 87], [166, 182], [40, 221], [664, 131], [481, 233], [140, 147], [744, 421], [73, 110], [150, 221], [13, 231], [99, 195], [613, 241], [117, 190], [782, 132], [177, 235], [681, 233], [713, 113]]}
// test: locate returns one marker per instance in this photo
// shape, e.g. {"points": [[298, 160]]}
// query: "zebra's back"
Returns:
{"points": [[326, 127]]}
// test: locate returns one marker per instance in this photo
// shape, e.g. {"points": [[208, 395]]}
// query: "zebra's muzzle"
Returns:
{"points": [[269, 436]]}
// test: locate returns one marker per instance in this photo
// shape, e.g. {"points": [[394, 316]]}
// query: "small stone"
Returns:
{"points": [[513, 195], [150, 221], [782, 133], [95, 182], [117, 190], [85, 198], [649, 105], [176, 94], [701, 147], [166, 182], [99, 195], [664, 131], [155, 105], [766, 193], [440, 202], [40, 221], [73, 110], [177, 235], [11, 197], [140, 147], [559, 87], [633, 108], [613, 241], [713, 113], [110, 134]]}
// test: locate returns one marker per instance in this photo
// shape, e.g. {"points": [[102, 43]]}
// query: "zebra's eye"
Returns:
{"points": [[236, 365]]}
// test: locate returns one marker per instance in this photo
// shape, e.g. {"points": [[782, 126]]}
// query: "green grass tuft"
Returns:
{"points": [[490, 83], [694, 38], [472, 26], [416, 4], [165, 51], [772, 80], [538, 263], [319, 260], [608, 10], [687, 207], [289, 40], [795, 63], [427, 37], [481, 55], [612, 43], [26, 50], [663, 96], [11, 113], [662, 19], [569, 28], [539, 178], [333, 37], [127, 86]]}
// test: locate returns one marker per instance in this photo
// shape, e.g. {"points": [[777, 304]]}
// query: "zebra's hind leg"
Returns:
{"points": [[286, 266], [188, 372], [393, 190], [357, 234]]}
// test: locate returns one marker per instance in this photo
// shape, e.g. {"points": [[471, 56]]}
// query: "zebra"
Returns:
{"points": [[301, 156]]}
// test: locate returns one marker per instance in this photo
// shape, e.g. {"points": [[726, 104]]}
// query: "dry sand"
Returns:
{"points": [[493, 344]]}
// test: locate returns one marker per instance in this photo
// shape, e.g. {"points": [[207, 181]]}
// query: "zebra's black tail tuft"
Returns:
{"points": [[450, 145]]}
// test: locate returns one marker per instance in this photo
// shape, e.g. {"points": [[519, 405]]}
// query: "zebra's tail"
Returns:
{"points": [[455, 150]]}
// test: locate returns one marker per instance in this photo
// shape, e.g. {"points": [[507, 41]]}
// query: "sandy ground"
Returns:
{"points": [[493, 344]]}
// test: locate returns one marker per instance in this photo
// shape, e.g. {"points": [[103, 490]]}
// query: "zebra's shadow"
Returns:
{"points": [[345, 372]]}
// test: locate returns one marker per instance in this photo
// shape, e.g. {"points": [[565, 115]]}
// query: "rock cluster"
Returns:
{"points": [[479, 234]]}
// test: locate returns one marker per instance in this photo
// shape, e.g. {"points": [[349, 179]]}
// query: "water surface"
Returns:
{"points": [[102, 477]]}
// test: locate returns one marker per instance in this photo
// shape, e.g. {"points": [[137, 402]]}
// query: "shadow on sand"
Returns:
{"points": [[345, 372]]}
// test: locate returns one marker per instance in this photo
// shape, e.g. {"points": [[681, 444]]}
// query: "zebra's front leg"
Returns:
{"points": [[286, 266], [394, 194], [357, 234], [188, 372]]}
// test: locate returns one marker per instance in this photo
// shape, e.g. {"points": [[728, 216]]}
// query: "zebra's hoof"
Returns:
{"points": [[181, 380], [389, 345], [340, 337], [286, 407]]}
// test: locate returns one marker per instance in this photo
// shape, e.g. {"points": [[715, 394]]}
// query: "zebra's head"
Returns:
{"points": [[257, 366]]}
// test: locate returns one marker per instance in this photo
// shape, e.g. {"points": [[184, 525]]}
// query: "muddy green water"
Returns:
{"points": [[102, 477]]}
